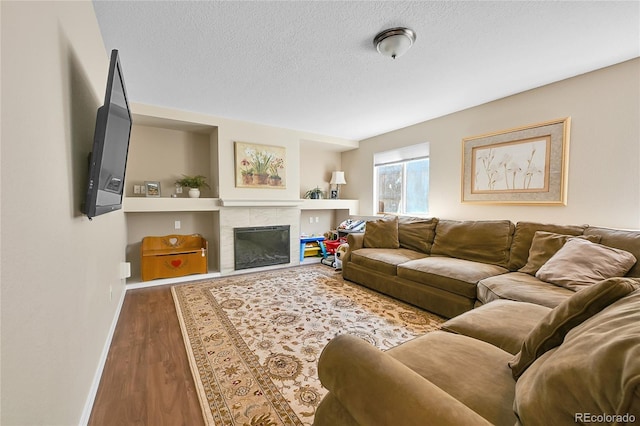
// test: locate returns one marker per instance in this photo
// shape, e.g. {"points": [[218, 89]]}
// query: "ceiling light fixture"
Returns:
{"points": [[394, 42]]}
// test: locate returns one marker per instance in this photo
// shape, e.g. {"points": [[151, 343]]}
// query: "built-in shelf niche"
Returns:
{"points": [[164, 150]]}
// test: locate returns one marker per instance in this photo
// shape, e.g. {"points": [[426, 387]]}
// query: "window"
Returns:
{"points": [[401, 180]]}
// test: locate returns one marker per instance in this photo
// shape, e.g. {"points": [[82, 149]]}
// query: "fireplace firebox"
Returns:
{"points": [[261, 246]]}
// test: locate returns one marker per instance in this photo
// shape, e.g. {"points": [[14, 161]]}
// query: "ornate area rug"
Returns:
{"points": [[254, 340]]}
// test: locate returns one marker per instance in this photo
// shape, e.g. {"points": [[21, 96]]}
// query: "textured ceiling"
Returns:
{"points": [[312, 65]]}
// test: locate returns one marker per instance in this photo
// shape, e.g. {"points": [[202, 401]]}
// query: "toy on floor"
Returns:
{"points": [[341, 251]]}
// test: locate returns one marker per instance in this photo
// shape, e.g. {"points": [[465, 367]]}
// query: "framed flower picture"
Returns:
{"points": [[260, 166], [526, 165]]}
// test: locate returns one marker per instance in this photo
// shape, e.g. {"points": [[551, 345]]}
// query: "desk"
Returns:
{"points": [[305, 240]]}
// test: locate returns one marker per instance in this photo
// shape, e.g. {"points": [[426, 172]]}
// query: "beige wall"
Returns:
{"points": [[321, 153], [604, 177], [140, 225], [317, 165], [58, 268], [164, 155]]}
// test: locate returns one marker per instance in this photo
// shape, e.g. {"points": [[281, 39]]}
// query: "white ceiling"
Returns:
{"points": [[312, 66]]}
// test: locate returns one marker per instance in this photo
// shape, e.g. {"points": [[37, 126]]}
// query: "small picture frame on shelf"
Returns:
{"points": [[334, 194], [152, 188]]}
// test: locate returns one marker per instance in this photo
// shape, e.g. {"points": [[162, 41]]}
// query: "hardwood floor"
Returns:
{"points": [[146, 379]]}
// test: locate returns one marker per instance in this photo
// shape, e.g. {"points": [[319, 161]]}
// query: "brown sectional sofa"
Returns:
{"points": [[449, 267], [504, 363], [532, 352]]}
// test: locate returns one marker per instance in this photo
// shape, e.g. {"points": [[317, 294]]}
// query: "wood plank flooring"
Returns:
{"points": [[146, 379]]}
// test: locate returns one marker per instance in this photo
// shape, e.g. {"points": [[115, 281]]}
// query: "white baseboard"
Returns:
{"points": [[93, 391]]}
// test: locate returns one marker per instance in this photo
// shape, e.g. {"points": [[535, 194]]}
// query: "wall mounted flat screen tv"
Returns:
{"points": [[108, 159]]}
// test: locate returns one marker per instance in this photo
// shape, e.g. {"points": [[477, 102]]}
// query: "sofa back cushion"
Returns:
{"points": [[618, 238], [523, 236], [544, 245], [595, 371], [486, 241], [552, 329], [581, 263], [416, 233], [382, 233]]}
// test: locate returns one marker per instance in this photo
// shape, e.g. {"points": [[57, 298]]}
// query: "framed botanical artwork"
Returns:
{"points": [[260, 166], [152, 189], [526, 165]]}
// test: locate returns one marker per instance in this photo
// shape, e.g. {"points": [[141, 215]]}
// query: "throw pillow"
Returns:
{"points": [[581, 263], [546, 244], [551, 330], [381, 233], [416, 233]]}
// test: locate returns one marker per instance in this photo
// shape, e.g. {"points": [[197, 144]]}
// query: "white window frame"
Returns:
{"points": [[398, 156]]}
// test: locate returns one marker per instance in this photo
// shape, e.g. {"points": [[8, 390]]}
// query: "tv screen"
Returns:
{"points": [[108, 160]]}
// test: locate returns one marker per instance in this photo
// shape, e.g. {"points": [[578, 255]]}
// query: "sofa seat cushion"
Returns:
{"points": [[503, 323], [384, 260], [457, 276], [523, 288], [595, 370], [472, 371], [369, 387]]}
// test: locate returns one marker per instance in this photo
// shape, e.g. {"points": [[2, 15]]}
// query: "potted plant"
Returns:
{"points": [[274, 177], [247, 172], [315, 193], [261, 162], [194, 183]]}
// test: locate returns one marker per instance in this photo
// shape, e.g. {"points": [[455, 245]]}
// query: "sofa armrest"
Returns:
{"points": [[378, 389], [356, 241]]}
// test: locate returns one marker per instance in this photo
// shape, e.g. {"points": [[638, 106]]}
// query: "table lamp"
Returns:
{"points": [[337, 179]]}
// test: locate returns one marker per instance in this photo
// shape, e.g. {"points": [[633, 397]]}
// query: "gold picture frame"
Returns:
{"points": [[526, 165], [260, 166]]}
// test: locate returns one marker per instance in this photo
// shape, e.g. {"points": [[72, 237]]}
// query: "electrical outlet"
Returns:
{"points": [[177, 224], [125, 270], [310, 219], [136, 189], [317, 219]]}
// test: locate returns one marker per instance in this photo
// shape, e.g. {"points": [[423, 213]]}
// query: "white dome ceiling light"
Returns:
{"points": [[394, 42]]}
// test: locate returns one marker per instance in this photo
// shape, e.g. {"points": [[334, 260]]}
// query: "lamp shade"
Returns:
{"points": [[337, 178]]}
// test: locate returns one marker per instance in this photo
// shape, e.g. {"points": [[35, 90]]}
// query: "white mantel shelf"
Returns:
{"points": [[260, 203], [167, 204], [331, 204]]}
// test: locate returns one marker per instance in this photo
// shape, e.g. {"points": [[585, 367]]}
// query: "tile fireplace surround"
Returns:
{"points": [[239, 217]]}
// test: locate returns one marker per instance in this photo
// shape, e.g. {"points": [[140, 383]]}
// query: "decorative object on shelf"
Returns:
{"points": [[260, 166], [152, 188], [194, 183], [526, 165], [394, 42], [314, 194], [337, 179]]}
